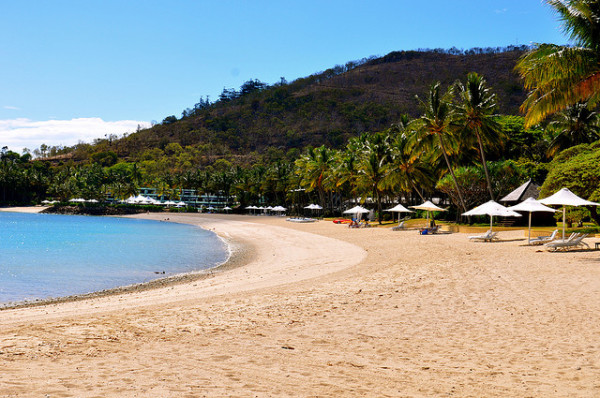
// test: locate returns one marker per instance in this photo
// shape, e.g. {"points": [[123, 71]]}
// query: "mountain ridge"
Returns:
{"points": [[328, 107]]}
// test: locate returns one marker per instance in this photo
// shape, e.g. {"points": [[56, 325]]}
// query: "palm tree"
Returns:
{"points": [[313, 167], [434, 130], [374, 167], [475, 115], [347, 169], [577, 124], [409, 170], [562, 76]]}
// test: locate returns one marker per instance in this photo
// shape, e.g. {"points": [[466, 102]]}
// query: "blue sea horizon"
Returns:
{"points": [[47, 256]]}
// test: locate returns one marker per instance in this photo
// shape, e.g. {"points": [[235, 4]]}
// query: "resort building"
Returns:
{"points": [[189, 196]]}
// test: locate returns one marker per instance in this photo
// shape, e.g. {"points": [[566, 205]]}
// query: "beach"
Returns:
{"points": [[319, 309]]}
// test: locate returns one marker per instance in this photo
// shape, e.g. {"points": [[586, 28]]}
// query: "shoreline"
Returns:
{"points": [[323, 310], [243, 251], [238, 253]]}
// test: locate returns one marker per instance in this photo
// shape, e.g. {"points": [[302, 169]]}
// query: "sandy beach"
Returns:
{"points": [[323, 310]]}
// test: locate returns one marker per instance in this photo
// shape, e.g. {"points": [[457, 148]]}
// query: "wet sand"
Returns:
{"points": [[24, 209], [323, 310]]}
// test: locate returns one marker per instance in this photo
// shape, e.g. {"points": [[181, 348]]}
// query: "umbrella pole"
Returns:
{"points": [[564, 218], [491, 222], [529, 236]]}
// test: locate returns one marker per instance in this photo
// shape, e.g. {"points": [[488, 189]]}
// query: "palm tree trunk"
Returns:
{"points": [[417, 190], [487, 175], [378, 203], [322, 198], [462, 201]]}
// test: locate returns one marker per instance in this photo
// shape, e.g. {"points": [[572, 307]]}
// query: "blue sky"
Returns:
{"points": [[77, 70]]}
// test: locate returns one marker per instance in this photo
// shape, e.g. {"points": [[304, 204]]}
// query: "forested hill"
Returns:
{"points": [[327, 107]]}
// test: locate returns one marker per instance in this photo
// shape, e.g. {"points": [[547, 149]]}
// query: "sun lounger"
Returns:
{"points": [[573, 241], [544, 239], [399, 227], [487, 237], [365, 224], [429, 230]]}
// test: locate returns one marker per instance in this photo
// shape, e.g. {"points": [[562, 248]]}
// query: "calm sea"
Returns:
{"points": [[43, 256]]}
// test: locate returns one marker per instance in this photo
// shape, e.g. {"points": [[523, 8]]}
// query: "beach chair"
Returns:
{"points": [[575, 240], [544, 239], [365, 224], [399, 227], [483, 237], [353, 224], [487, 237]]}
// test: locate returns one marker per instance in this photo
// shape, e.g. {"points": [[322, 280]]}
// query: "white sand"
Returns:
{"points": [[323, 310], [25, 209]]}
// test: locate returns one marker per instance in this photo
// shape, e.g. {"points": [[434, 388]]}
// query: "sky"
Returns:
{"points": [[73, 71]]}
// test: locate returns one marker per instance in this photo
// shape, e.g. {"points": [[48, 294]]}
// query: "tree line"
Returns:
{"points": [[456, 146]]}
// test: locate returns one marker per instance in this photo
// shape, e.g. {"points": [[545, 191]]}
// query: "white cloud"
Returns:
{"points": [[11, 108], [24, 133], [501, 11]]}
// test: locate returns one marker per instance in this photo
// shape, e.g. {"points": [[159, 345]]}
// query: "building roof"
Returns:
{"points": [[527, 190]]}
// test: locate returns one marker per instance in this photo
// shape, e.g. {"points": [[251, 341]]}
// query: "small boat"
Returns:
{"points": [[341, 221], [300, 219]]}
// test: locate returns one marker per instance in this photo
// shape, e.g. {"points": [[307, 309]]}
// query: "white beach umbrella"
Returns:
{"points": [[313, 207], [92, 201], [399, 209], [530, 205], [180, 204], [77, 200], [565, 197], [427, 206], [150, 201], [356, 210], [491, 209], [226, 208], [279, 208]]}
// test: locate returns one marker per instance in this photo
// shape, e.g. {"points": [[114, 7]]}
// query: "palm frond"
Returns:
{"points": [[558, 77]]}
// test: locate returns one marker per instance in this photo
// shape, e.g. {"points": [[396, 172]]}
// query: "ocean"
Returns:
{"points": [[46, 256]]}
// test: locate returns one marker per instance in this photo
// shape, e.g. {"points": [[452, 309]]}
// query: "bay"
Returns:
{"points": [[45, 256]]}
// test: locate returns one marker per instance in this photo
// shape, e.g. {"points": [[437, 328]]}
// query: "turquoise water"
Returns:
{"points": [[43, 256]]}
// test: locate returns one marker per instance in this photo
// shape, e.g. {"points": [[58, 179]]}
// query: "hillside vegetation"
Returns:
{"points": [[326, 108]]}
